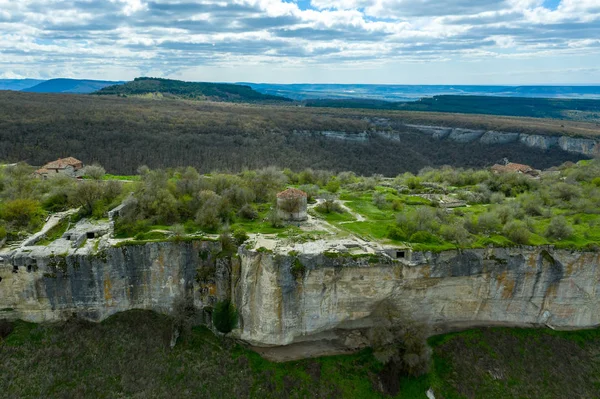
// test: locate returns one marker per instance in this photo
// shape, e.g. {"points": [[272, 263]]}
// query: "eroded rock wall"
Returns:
{"points": [[285, 298], [37, 287], [452, 289], [583, 146]]}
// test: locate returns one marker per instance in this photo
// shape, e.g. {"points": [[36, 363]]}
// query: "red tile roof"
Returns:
{"points": [[512, 167], [292, 193], [62, 163]]}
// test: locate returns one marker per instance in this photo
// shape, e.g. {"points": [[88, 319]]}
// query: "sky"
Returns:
{"points": [[482, 42]]}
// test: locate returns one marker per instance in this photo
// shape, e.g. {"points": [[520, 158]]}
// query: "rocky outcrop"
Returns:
{"points": [[537, 141], [583, 146], [518, 286], [38, 287], [290, 297], [499, 138], [579, 146]]}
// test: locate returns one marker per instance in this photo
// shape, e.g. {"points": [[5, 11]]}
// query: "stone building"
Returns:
{"points": [[70, 166], [291, 205], [511, 167]]}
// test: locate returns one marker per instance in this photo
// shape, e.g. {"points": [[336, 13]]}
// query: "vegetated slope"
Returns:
{"points": [[124, 133], [69, 86], [18, 84], [129, 355], [190, 90], [574, 109]]}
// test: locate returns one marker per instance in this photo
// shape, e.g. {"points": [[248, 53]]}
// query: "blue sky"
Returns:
{"points": [[312, 41]]}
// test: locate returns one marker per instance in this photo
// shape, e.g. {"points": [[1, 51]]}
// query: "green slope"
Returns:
{"points": [[128, 355], [190, 90]]}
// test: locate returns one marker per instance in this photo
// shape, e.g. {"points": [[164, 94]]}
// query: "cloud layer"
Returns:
{"points": [[284, 41]]}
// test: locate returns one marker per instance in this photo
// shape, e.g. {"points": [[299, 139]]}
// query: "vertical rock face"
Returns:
{"points": [[575, 145], [43, 288], [283, 298], [451, 289]]}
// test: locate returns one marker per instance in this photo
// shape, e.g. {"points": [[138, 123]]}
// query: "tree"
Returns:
{"points": [[94, 172], [21, 212], [399, 343], [225, 316], [85, 196], [456, 233], [517, 231], [559, 228]]}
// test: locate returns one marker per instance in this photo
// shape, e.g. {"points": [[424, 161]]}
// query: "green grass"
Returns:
{"points": [[56, 232], [121, 177]]}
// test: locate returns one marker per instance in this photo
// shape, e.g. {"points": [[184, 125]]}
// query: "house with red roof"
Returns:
{"points": [[69, 166]]}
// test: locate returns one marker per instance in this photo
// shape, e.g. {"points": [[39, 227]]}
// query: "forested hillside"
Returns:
{"points": [[124, 133], [190, 90]]}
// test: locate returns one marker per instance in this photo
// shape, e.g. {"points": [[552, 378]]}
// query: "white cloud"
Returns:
{"points": [[80, 37]]}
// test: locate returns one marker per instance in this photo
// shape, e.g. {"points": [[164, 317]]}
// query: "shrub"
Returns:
{"points": [[184, 313], [240, 236], [517, 232], [224, 316], [274, 219], [488, 223], [248, 212], [2, 233], [333, 186], [21, 212], [456, 234], [423, 237], [396, 233], [178, 230], [94, 172], [379, 200], [330, 205], [559, 228]]}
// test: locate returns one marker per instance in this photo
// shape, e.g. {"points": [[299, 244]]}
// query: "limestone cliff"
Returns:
{"points": [[583, 146], [289, 297]]}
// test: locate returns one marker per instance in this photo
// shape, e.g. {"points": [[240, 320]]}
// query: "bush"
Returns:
{"points": [[517, 231], [488, 223], [330, 205], [559, 228], [22, 212], [396, 233], [224, 316], [379, 200], [423, 237], [2, 233], [94, 172], [333, 186], [274, 219], [184, 313], [248, 212], [240, 236], [456, 234]]}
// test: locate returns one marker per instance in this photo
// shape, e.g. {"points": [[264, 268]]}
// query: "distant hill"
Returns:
{"points": [[558, 108], [70, 86], [305, 91], [190, 90], [18, 84]]}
